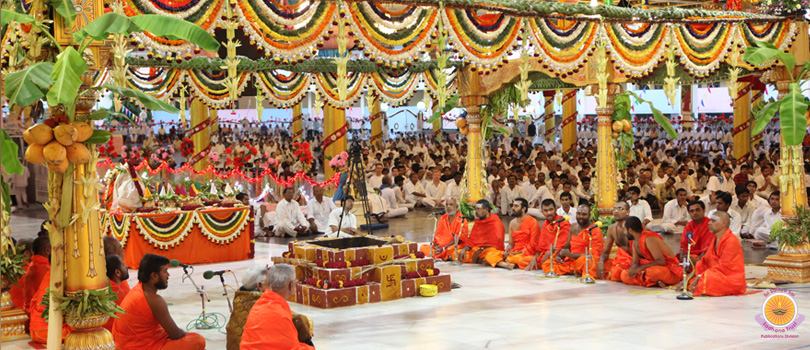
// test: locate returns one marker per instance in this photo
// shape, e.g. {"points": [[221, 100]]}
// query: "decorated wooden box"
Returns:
{"points": [[338, 272]]}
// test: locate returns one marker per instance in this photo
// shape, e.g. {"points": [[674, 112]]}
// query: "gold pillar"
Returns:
{"points": [[471, 99], [376, 122], [742, 121], [757, 94], [334, 125], [606, 172], [200, 114], [298, 123], [548, 116], [569, 121]]}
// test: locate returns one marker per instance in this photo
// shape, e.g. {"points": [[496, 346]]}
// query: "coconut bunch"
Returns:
{"points": [[56, 142], [621, 126], [461, 124]]}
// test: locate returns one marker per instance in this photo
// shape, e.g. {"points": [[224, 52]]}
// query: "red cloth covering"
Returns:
{"points": [[722, 269], [323, 284], [39, 327], [488, 232], [17, 291], [523, 235], [669, 274], [546, 237], [40, 267], [122, 291], [446, 230], [269, 326], [700, 234]]}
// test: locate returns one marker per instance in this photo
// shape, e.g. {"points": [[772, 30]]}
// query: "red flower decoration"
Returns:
{"points": [[254, 151], [228, 150]]}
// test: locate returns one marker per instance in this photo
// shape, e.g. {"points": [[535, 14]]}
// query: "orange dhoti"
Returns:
{"points": [[651, 276], [722, 269], [491, 255], [620, 263], [569, 266]]}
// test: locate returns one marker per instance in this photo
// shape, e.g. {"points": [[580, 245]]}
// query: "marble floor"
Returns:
{"points": [[500, 309]]}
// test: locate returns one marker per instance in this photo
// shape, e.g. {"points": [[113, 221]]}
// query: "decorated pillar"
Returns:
{"points": [[335, 128], [742, 121], [757, 94], [437, 124], [200, 133], [377, 116], [548, 116], [297, 123], [791, 179], [470, 98], [686, 107], [569, 121], [606, 172]]}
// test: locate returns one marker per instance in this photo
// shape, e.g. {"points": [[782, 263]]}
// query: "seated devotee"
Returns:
{"points": [[270, 324], [113, 247], [448, 227], [348, 224], [764, 218], [485, 242], [571, 258], [699, 227], [38, 327], [611, 268], [290, 220], [318, 210], [17, 291], [639, 208], [415, 192], [392, 196], [253, 284], [40, 266], [521, 231], [653, 264], [666, 191], [721, 270], [117, 273], [436, 190], [147, 323], [567, 207], [554, 231], [746, 207], [509, 193], [676, 214], [723, 203]]}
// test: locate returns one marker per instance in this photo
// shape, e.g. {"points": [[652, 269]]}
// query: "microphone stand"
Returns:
{"points": [[686, 263], [587, 279], [551, 273], [225, 293], [203, 295], [456, 262]]}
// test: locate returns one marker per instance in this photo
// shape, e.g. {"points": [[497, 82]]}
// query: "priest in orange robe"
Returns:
{"points": [[38, 326], [117, 273], [40, 267], [269, 324], [539, 249], [147, 324], [571, 258], [699, 226], [653, 264], [611, 268], [485, 243], [522, 228], [448, 227], [17, 291], [721, 270]]}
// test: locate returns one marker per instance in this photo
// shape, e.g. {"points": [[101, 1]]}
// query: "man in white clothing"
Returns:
{"points": [[414, 192], [723, 203], [289, 218], [509, 193], [566, 209], [454, 186], [436, 190], [318, 211], [389, 194], [348, 225], [676, 213], [639, 208], [375, 180], [746, 207], [764, 218]]}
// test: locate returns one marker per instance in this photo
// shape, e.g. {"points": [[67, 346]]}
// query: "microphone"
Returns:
{"points": [[439, 213], [469, 218], [595, 225], [689, 236], [564, 218], [175, 263], [210, 274]]}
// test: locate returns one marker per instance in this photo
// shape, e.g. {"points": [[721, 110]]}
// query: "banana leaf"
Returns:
{"points": [[27, 86], [169, 27]]}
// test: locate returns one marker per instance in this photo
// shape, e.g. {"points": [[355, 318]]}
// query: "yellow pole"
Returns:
{"points": [[756, 99], [200, 116], [742, 112], [376, 122], [334, 124], [549, 116], [298, 123], [606, 172], [569, 122], [470, 98], [437, 124]]}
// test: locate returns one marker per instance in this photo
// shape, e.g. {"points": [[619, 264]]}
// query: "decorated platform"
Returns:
{"points": [[337, 272], [204, 235]]}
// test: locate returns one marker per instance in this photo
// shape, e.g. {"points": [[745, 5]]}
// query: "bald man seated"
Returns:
{"points": [[721, 269]]}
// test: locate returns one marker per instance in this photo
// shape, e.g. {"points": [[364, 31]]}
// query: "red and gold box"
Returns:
{"points": [[378, 255], [441, 281], [409, 288]]}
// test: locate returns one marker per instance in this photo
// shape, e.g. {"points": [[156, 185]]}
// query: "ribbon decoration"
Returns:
{"points": [[193, 131], [336, 135], [199, 156]]}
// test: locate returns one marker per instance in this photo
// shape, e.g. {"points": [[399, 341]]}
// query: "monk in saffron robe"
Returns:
{"points": [[147, 324], [539, 249], [653, 260], [699, 226], [571, 259], [113, 247], [17, 291], [522, 228], [611, 268], [721, 270], [117, 273], [448, 227], [39, 327], [485, 243], [40, 266], [269, 324]]}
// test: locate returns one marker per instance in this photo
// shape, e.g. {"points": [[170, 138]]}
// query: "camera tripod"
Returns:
{"points": [[356, 179]]}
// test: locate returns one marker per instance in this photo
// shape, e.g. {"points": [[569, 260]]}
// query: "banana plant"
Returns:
{"points": [[792, 108]]}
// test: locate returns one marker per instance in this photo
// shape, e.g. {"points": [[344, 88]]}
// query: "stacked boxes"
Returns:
{"points": [[385, 282]]}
